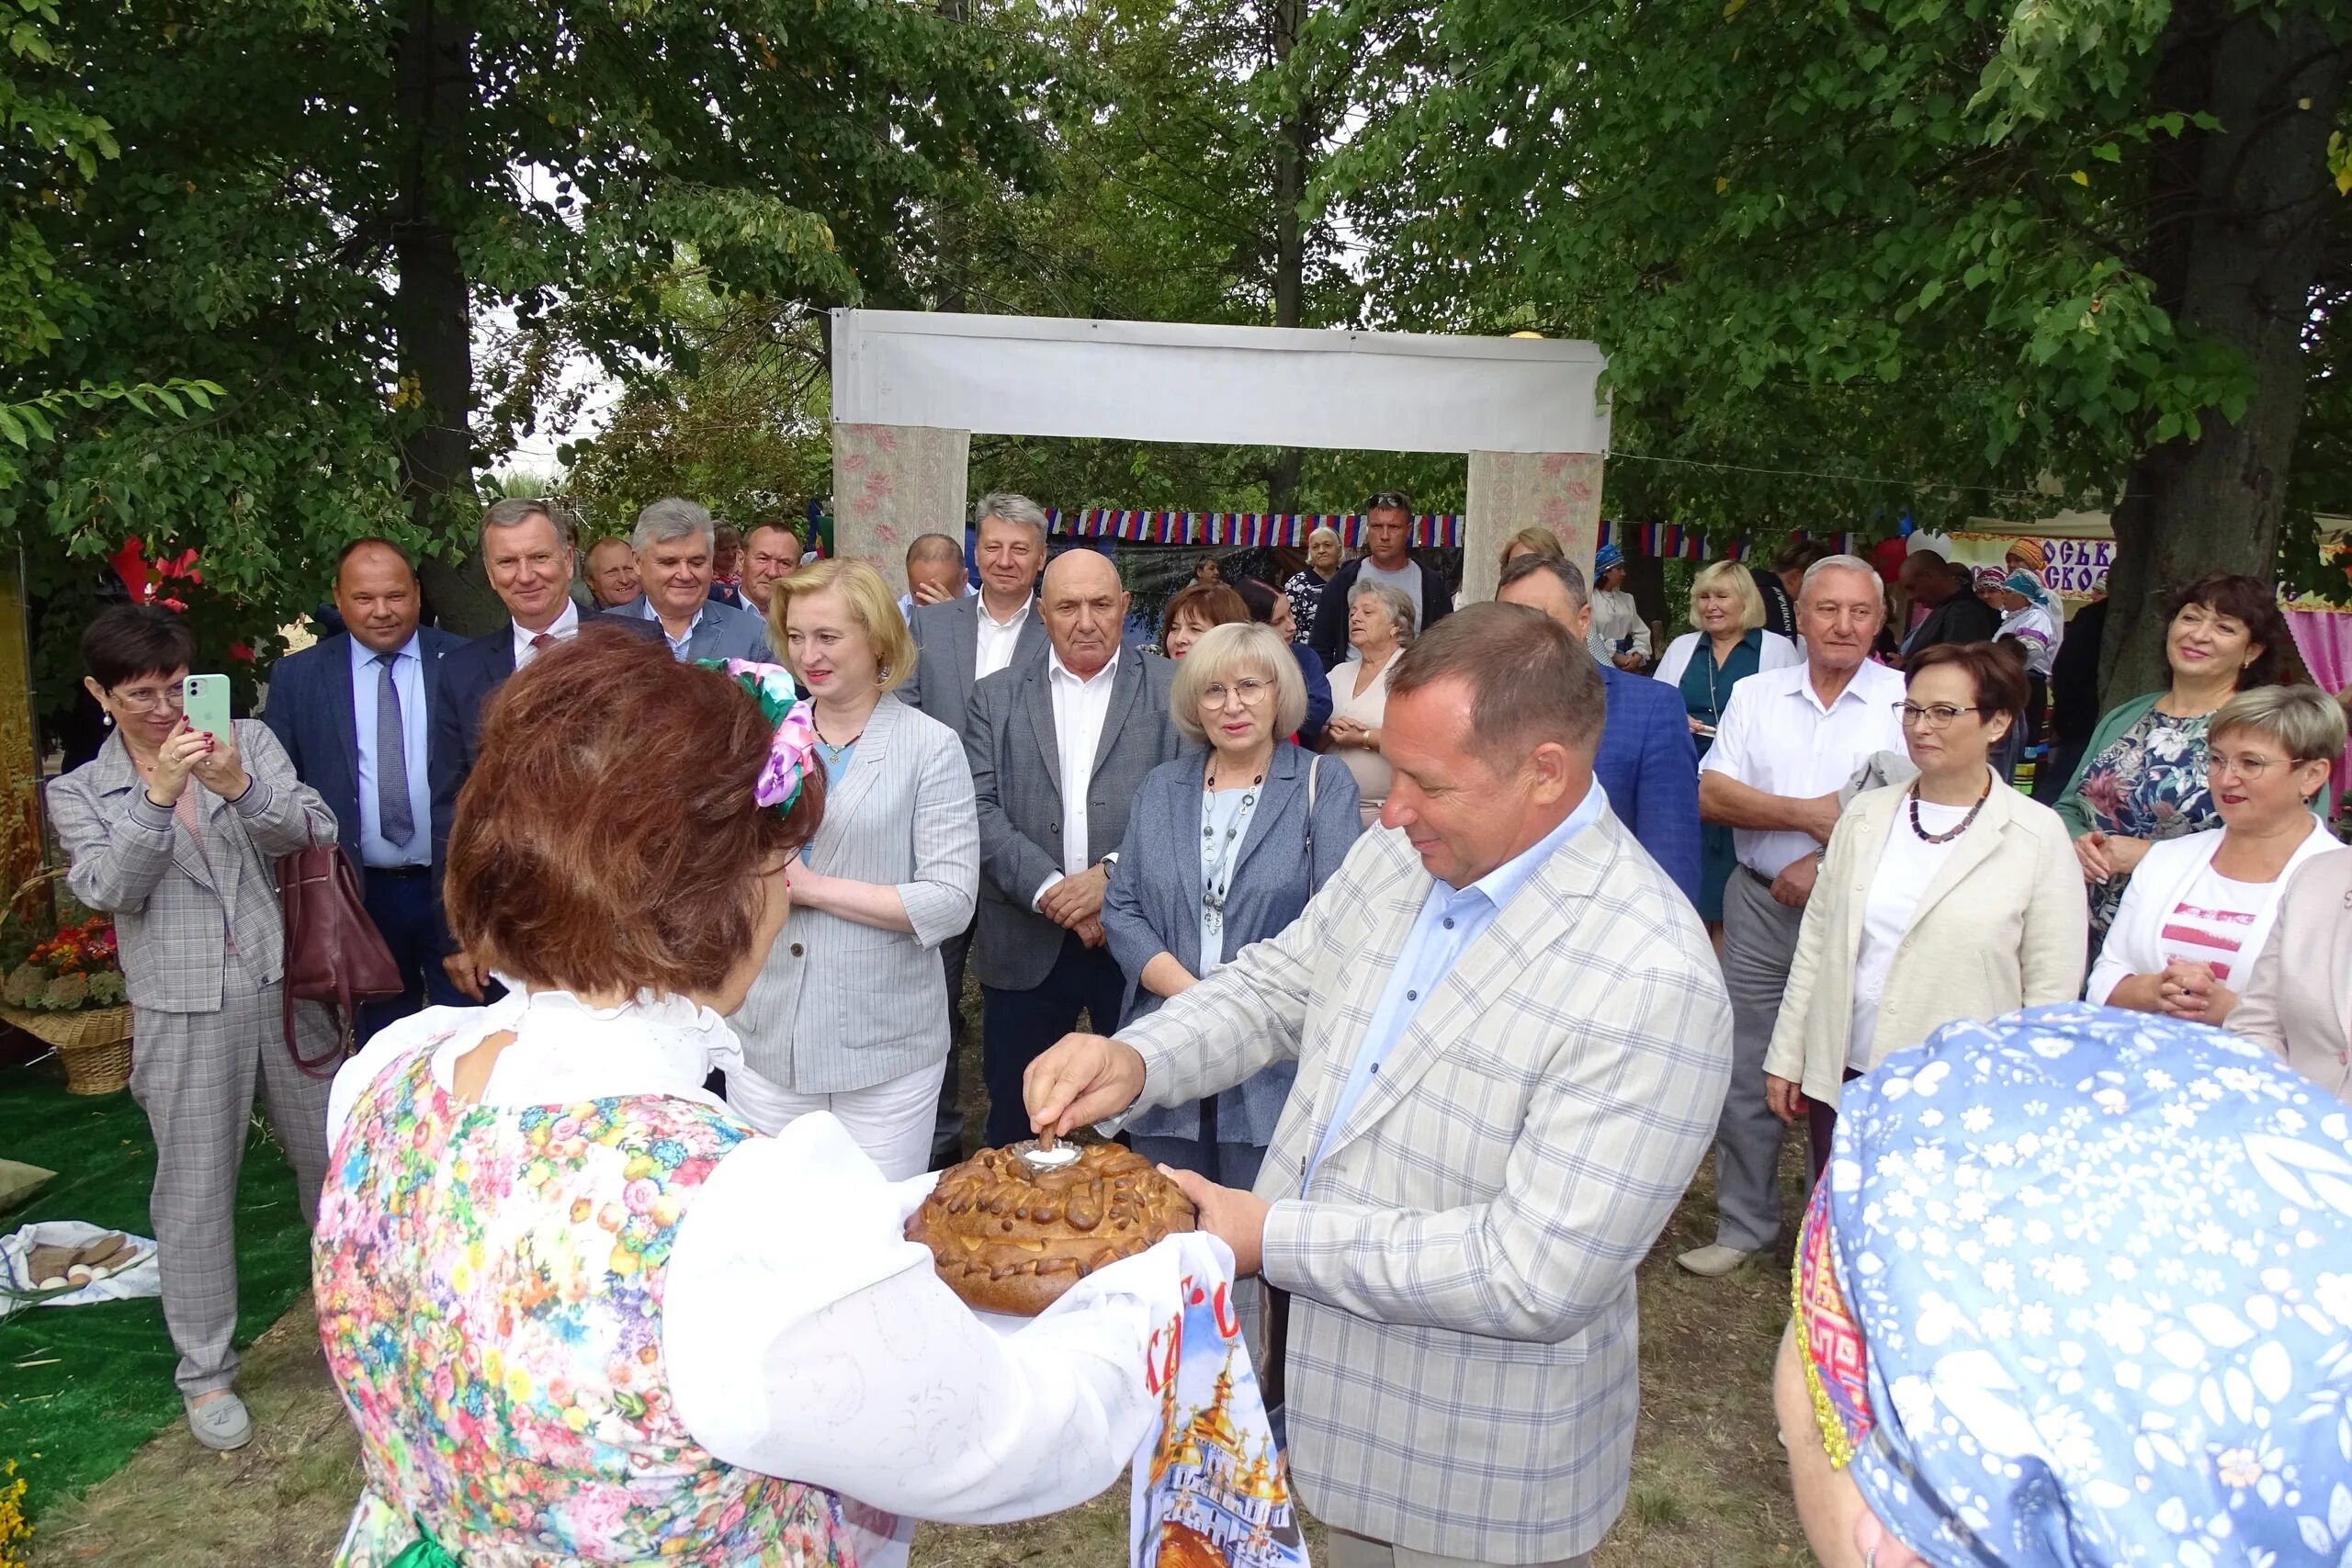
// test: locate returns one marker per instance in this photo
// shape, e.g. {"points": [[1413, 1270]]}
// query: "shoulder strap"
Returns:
{"points": [[1314, 766]]}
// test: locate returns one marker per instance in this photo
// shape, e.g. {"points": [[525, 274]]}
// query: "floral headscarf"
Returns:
{"points": [[2077, 1290], [2028, 586]]}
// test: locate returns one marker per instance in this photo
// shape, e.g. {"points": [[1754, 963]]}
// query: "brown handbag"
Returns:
{"points": [[335, 955]]}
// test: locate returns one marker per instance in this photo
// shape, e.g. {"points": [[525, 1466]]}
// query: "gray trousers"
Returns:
{"points": [[1359, 1551], [195, 1075], [1759, 942]]}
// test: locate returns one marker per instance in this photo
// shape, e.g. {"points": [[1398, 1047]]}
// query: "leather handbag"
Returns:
{"points": [[335, 955]]}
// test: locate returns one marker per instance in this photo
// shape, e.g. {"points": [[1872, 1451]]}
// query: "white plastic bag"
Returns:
{"points": [[17, 1286]]}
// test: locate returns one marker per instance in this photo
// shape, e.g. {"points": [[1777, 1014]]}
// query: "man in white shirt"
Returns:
{"points": [[958, 641], [1789, 740], [1059, 747]]}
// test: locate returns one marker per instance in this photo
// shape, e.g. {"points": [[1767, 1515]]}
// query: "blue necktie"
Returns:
{"points": [[395, 818]]}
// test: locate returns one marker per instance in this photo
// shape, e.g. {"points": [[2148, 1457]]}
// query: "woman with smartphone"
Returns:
{"points": [[174, 828]]}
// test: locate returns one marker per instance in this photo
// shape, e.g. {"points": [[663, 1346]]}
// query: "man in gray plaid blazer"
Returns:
{"points": [[1512, 1044]]}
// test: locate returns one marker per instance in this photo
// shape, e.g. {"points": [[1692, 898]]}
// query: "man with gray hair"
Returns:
{"points": [[958, 643], [677, 544], [1788, 742]]}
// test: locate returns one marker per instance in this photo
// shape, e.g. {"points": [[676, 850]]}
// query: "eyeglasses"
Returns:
{"points": [[147, 699], [1938, 716], [2250, 769], [1389, 500], [1251, 692]]}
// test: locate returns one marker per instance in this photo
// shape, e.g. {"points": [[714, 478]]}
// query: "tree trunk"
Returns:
{"points": [[431, 315], [2234, 253], [1294, 144]]}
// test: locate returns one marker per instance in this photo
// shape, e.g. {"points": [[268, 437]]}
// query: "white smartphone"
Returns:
{"points": [[205, 700]]}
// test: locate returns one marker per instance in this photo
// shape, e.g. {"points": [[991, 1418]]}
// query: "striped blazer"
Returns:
{"points": [[1462, 1368], [840, 1006], [174, 907]]}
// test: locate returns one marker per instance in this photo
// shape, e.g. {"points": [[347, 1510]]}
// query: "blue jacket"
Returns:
{"points": [[1649, 765], [1152, 904], [311, 712], [1319, 697]]}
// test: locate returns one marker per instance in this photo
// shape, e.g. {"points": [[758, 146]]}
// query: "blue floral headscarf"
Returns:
{"points": [[2077, 1290]]}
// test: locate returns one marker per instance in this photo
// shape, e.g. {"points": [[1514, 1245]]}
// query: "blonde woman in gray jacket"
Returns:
{"points": [[1950, 896], [176, 835], [849, 1013]]}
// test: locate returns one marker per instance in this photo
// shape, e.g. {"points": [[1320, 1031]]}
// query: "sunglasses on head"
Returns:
{"points": [[1389, 500]]}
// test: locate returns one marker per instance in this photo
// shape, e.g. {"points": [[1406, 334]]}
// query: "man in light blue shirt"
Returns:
{"points": [[1512, 1044], [353, 713], [673, 539]]}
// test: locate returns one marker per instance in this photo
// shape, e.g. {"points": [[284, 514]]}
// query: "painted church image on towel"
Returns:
{"points": [[1228, 1501]]}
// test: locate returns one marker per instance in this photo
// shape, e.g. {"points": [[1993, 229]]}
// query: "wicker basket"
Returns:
{"points": [[93, 1044]]}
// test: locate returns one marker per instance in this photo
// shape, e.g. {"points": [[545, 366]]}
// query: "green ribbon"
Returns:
{"points": [[423, 1552]]}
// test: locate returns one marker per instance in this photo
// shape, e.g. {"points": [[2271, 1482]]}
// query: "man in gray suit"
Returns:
{"points": [[1058, 747], [958, 642], [1513, 1043], [676, 543]]}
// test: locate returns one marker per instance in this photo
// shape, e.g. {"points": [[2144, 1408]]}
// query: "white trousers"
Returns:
{"points": [[891, 1119]]}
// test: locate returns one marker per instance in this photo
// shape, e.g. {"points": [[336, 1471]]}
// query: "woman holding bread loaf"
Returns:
{"points": [[1225, 846], [578, 1309]]}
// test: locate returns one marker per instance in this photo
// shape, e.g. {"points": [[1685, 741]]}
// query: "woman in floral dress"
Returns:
{"points": [[2142, 776], [580, 1312]]}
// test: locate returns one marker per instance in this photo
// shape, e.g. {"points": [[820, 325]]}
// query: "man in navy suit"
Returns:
{"points": [[1647, 765], [527, 553], [353, 713]]}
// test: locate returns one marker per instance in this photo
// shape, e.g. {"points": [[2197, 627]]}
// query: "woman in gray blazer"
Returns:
{"points": [[1225, 846], [850, 1011], [176, 834]]}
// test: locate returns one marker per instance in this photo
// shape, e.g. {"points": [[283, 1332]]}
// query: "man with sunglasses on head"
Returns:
{"points": [[1387, 532]]}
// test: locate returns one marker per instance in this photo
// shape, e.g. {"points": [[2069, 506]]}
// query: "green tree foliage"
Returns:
{"points": [[317, 204], [1987, 259]]}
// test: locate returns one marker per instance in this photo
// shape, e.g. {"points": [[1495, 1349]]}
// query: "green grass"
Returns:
{"points": [[82, 1388]]}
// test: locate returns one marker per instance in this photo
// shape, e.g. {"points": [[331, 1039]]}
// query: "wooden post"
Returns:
{"points": [[1510, 490]]}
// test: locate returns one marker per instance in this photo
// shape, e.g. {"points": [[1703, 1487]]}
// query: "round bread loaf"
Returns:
{"points": [[1010, 1238]]}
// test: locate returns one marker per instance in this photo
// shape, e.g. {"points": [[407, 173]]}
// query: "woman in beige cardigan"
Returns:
{"points": [[2298, 1002], [1950, 896]]}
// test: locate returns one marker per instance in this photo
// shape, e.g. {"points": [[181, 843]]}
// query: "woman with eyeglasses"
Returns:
{"points": [[176, 834], [2142, 779], [1225, 846], [1949, 896], [2200, 907]]}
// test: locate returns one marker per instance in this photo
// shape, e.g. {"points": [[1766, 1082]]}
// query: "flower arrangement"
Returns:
{"points": [[60, 958], [14, 1530]]}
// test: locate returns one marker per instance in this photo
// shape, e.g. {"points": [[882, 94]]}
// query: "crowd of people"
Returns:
{"points": [[1430, 946]]}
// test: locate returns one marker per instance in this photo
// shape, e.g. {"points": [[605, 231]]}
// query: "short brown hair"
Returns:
{"points": [[1530, 681], [514, 511], [1997, 675], [2254, 604], [1211, 603], [869, 601], [608, 838]]}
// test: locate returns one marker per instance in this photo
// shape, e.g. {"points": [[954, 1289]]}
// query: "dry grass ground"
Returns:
{"points": [[1710, 1487]]}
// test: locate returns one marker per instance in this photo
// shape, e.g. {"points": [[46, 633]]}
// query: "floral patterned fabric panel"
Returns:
{"points": [[489, 1286]]}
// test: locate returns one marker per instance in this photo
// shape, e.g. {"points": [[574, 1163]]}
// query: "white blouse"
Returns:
{"points": [[804, 1335]]}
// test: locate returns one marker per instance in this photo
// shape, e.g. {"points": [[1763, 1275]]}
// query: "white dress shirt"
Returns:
{"points": [[827, 1348], [998, 638], [565, 626], [1079, 706], [1777, 736], [407, 682]]}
